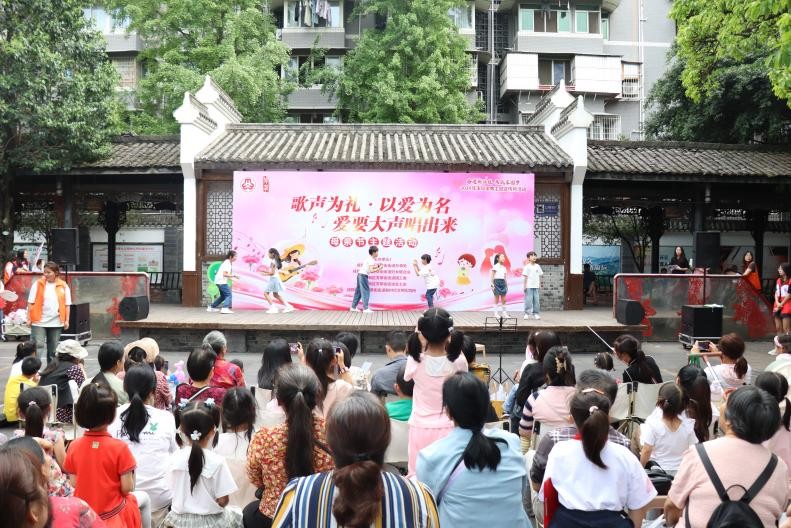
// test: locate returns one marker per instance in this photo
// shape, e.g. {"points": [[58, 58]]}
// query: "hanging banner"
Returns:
{"points": [[328, 220]]}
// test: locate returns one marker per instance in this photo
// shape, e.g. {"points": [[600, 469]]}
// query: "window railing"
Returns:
{"points": [[606, 127], [630, 88]]}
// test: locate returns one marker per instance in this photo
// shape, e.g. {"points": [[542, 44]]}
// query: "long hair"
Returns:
{"points": [[540, 342], [671, 400], [110, 353], [436, 325], [629, 346], [55, 363], [33, 405], [23, 350], [777, 385], [197, 420], [358, 432], [319, 356], [298, 391], [276, 354], [238, 410], [696, 386], [139, 383], [466, 399], [274, 254], [23, 484], [732, 347], [590, 411], [558, 368]]}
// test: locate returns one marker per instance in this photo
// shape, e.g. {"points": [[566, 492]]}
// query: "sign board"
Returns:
{"points": [[129, 257]]}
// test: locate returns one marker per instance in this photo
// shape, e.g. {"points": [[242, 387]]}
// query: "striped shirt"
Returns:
{"points": [[307, 503], [550, 406]]}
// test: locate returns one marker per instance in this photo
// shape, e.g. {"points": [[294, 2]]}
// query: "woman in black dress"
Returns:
{"points": [[679, 263]]}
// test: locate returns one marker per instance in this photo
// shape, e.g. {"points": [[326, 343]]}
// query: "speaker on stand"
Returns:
{"points": [[707, 254], [64, 247]]}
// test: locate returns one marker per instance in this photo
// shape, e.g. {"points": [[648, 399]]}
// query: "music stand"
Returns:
{"points": [[501, 325]]}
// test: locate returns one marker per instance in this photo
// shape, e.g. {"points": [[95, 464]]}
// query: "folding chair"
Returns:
{"points": [[398, 450], [645, 399], [621, 408], [262, 399]]}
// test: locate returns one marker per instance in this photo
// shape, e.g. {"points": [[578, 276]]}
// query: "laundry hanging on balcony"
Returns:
{"points": [[309, 12]]}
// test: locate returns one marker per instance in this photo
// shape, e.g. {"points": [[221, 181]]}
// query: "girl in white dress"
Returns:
{"points": [[275, 285]]}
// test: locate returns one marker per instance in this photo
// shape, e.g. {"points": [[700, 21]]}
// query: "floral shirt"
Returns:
{"points": [[185, 392], [65, 414], [71, 512], [59, 485], [162, 396], [266, 461]]}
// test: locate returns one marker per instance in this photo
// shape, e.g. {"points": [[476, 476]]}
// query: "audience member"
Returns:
{"points": [[472, 467], [733, 372], [384, 379], [434, 355], [28, 377], [640, 368], [67, 366], [150, 434], [698, 400], [238, 421], [334, 377], [102, 467], [751, 417], [780, 443], [603, 361], [200, 479], [401, 409], [782, 362], [111, 362], [238, 363], [296, 448], [226, 375], [352, 344], [147, 352], [23, 349], [200, 367], [592, 482], [470, 350], [276, 354], [358, 493], [532, 376], [550, 406], [667, 434]]}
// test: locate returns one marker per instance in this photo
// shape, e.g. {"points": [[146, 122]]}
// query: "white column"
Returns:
{"points": [[575, 238], [190, 217]]}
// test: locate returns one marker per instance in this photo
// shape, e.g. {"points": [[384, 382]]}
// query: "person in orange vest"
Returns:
{"points": [[48, 309]]}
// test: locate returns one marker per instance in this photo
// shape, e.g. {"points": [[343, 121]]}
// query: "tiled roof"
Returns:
{"points": [[140, 152], [405, 146], [698, 159]]}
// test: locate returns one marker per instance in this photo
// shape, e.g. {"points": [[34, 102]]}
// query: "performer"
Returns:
{"points": [[532, 273], [782, 301], [18, 264], [499, 284], [48, 309], [431, 278], [221, 280], [679, 263], [292, 265], [750, 271], [275, 285], [362, 290]]}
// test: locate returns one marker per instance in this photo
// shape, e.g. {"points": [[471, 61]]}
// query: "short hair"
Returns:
{"points": [[586, 266], [216, 340], [351, 341], [200, 362], [753, 414], [596, 379], [372, 250], [238, 363], [396, 340], [531, 253], [95, 406], [407, 388], [30, 365], [110, 353]]}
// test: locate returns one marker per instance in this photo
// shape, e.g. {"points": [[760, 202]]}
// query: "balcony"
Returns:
{"points": [[525, 72], [597, 74], [305, 37], [310, 99], [121, 42], [519, 73]]}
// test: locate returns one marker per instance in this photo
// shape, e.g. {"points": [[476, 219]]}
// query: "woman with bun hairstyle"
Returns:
{"points": [[473, 468], [640, 368], [589, 482], [667, 434], [359, 493], [733, 371], [434, 351]]}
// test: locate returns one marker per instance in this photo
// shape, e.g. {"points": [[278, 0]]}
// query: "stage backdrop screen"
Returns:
{"points": [[331, 218]]}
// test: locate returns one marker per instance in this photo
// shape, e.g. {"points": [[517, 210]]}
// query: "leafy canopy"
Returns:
{"points": [[415, 70]]}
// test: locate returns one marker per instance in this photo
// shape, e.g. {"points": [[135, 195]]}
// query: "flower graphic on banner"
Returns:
{"points": [[334, 290], [310, 275], [486, 265], [300, 284], [250, 260], [517, 272], [317, 289]]}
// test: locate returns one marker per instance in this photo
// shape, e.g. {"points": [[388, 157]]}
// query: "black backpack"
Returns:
{"points": [[734, 513]]}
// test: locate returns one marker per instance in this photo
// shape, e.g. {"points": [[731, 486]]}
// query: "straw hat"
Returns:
{"points": [[291, 249], [149, 345], [70, 347]]}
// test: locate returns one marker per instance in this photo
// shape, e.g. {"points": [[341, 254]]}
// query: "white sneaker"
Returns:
{"points": [[288, 308], [226, 311], [353, 310], [210, 309], [527, 316], [368, 310], [536, 316], [505, 313], [272, 309]]}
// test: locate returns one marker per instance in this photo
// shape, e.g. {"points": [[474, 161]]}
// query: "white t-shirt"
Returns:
{"points": [[668, 446], [368, 264], [225, 267], [157, 442], [722, 377], [499, 271], [431, 278], [582, 485], [232, 445], [215, 481], [533, 273], [50, 318]]}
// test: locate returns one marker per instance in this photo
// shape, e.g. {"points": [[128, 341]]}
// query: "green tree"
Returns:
{"points": [[614, 227], [740, 109], [715, 34], [415, 70], [232, 40], [57, 104]]}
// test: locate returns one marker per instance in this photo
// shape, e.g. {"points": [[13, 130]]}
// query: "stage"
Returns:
{"points": [[182, 328]]}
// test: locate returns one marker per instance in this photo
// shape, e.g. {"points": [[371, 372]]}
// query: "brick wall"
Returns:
{"points": [[552, 288]]}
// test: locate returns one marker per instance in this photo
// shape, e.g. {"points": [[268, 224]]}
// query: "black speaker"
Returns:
{"points": [[79, 319], [629, 312], [133, 308], [64, 247], [707, 250], [701, 321]]}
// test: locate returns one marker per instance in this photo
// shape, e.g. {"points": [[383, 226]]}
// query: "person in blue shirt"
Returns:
{"points": [[474, 468]]}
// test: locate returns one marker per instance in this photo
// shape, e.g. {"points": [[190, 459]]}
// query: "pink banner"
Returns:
{"points": [[331, 218]]}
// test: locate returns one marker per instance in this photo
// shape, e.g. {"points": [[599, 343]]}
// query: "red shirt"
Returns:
{"points": [[226, 375], [71, 512], [185, 392]]}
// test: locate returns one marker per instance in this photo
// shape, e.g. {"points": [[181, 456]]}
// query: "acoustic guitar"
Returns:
{"points": [[290, 272]]}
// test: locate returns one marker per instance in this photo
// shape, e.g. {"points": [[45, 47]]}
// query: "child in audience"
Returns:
{"points": [[328, 364], [238, 419], [603, 361], [550, 406], [667, 434], [238, 363], [639, 367], [780, 444], [531, 376], [200, 479], [101, 466], [23, 350], [434, 355], [699, 407], [401, 409], [733, 372], [28, 377]]}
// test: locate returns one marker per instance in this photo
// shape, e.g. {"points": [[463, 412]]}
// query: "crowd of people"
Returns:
{"points": [[307, 445]]}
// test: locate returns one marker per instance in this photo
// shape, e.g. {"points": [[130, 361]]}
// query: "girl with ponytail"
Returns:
{"points": [[550, 406], [473, 467], [335, 379], [640, 368], [591, 481], [111, 362], [359, 493], [698, 402], [200, 479], [434, 355], [150, 434], [733, 372], [297, 448], [780, 444], [667, 433]]}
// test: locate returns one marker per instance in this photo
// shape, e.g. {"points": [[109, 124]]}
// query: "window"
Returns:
{"points": [[331, 119], [605, 126], [463, 16], [586, 19], [298, 16], [630, 84], [105, 22], [551, 71], [127, 70], [605, 26], [333, 61], [544, 19], [525, 117], [291, 69]]}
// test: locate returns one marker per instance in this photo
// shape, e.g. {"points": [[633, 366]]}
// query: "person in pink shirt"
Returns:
{"points": [[550, 406], [780, 444], [226, 375], [434, 355]]}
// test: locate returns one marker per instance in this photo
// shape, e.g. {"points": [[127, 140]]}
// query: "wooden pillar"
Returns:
{"points": [[758, 222], [655, 218]]}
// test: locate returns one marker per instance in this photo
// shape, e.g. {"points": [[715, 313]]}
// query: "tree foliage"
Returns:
{"points": [[740, 109], [714, 34], [57, 104], [614, 228], [414, 70], [232, 40]]}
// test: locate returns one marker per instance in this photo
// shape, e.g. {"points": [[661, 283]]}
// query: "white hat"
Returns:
{"points": [[70, 347]]}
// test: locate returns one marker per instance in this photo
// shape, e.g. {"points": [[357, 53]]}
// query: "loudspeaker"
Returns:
{"points": [[133, 308], [629, 312], [79, 319], [707, 250], [701, 321], [64, 247]]}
